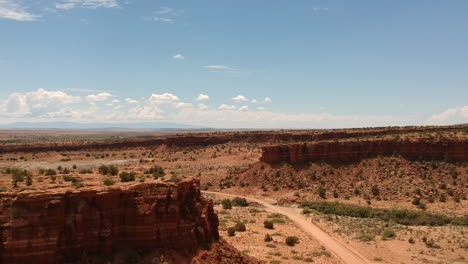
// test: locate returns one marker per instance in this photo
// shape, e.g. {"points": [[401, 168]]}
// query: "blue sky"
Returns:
{"points": [[319, 63]]}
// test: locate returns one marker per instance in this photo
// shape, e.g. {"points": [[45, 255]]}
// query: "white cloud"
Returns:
{"points": [[203, 97], [66, 6], [12, 9], [254, 101], [178, 57], [458, 115], [202, 106], [166, 98], [244, 108], [40, 101], [240, 98], [217, 67], [163, 19], [131, 101], [92, 4], [93, 98], [184, 105], [261, 108], [115, 101], [267, 100], [165, 10], [226, 107]]}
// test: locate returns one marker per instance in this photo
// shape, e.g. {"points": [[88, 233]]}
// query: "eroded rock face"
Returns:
{"points": [[69, 227], [350, 151]]}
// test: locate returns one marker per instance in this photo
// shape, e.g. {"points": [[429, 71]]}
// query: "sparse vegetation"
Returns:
{"points": [[404, 217]]}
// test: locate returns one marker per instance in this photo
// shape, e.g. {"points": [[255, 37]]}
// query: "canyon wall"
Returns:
{"points": [[70, 227], [350, 151], [203, 139]]}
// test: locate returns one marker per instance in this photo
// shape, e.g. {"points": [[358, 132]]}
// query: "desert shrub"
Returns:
{"points": [[108, 170], [240, 227], [227, 204], [453, 172], [388, 233], [231, 231], [268, 238], [109, 182], [174, 178], [291, 240], [400, 216], [29, 180], [365, 237], [268, 224], [3, 188], [50, 172], [53, 178], [86, 171], [103, 169], [68, 178], [322, 192], [416, 201], [442, 198], [127, 176], [156, 171], [240, 202], [431, 244], [113, 170], [375, 190], [306, 211], [17, 175]]}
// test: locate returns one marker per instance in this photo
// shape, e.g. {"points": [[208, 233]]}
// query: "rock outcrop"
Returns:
{"points": [[71, 227], [351, 151]]}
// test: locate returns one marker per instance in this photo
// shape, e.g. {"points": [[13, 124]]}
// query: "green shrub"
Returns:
{"points": [[292, 240], [240, 227], [322, 192], [268, 224], [227, 204], [240, 202], [109, 182], [68, 178], [268, 238], [127, 176], [306, 211], [50, 172], [375, 190], [156, 171], [231, 231], [103, 169], [388, 233]]}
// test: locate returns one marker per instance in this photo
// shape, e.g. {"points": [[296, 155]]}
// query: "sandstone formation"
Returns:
{"points": [[350, 151], [74, 226], [201, 140]]}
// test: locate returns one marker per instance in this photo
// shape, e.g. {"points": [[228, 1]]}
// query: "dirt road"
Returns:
{"points": [[342, 251]]}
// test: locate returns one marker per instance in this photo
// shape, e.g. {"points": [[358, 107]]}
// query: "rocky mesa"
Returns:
{"points": [[355, 150], [75, 226]]}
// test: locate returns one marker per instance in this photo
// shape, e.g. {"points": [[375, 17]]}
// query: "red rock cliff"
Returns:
{"points": [[70, 227], [349, 151]]}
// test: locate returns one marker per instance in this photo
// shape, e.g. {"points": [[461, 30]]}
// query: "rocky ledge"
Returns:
{"points": [[77, 226]]}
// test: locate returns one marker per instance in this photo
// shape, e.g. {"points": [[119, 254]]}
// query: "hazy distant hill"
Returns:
{"points": [[72, 125]]}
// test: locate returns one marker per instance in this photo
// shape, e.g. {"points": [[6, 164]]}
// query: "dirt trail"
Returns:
{"points": [[342, 251]]}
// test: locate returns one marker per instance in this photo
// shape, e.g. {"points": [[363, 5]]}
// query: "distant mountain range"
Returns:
{"points": [[95, 126]]}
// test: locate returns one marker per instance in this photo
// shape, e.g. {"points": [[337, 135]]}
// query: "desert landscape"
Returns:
{"points": [[233, 132], [325, 196]]}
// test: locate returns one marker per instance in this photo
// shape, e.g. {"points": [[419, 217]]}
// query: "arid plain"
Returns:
{"points": [[385, 195]]}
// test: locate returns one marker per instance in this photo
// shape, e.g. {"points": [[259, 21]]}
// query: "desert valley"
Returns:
{"points": [[374, 195]]}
